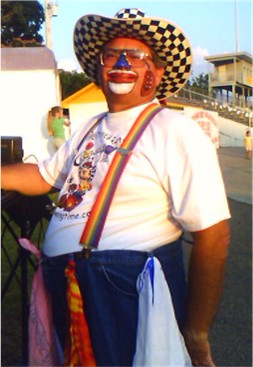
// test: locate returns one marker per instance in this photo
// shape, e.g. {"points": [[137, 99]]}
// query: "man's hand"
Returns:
{"points": [[199, 349]]}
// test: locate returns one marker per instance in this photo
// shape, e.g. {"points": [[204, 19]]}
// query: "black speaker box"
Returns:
{"points": [[30, 209], [11, 149]]}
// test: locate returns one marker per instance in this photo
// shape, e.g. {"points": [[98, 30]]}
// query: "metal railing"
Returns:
{"points": [[227, 110]]}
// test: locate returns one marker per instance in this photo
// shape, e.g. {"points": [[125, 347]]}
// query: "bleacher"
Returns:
{"points": [[186, 97]]}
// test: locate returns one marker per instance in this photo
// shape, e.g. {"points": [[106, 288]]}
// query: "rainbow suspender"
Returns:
{"points": [[95, 224]]}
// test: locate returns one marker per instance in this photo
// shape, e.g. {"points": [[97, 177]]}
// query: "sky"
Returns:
{"points": [[213, 27]]}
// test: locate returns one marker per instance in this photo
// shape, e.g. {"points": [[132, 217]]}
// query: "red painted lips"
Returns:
{"points": [[122, 76]]}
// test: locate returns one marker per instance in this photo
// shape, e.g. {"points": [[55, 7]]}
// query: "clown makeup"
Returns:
{"points": [[148, 83], [121, 78], [128, 73], [122, 88], [121, 81]]}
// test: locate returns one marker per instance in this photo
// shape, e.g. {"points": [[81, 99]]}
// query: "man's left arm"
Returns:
{"points": [[206, 276]]}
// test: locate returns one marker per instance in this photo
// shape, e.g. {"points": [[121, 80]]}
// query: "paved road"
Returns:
{"points": [[232, 331], [237, 173], [231, 335]]}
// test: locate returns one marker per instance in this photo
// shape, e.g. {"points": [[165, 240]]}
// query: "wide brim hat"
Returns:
{"points": [[165, 38]]}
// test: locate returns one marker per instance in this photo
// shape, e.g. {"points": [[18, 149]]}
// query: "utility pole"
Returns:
{"points": [[50, 11], [236, 28]]}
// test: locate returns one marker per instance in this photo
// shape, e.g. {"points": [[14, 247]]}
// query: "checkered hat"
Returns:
{"points": [[167, 40]]}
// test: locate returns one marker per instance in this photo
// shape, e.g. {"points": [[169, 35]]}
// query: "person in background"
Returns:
{"points": [[172, 183], [55, 124], [248, 144]]}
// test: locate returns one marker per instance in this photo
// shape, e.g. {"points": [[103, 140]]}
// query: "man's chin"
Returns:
{"points": [[121, 88]]}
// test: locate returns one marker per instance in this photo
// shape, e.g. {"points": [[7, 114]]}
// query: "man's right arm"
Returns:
{"points": [[24, 178]]}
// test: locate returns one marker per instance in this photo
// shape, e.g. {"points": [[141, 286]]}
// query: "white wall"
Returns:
{"points": [[27, 96], [232, 133]]}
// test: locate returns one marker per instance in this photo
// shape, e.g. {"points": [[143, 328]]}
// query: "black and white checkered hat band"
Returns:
{"points": [[130, 14], [92, 32]]}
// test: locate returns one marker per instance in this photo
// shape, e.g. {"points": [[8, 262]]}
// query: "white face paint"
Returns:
{"points": [[121, 88]]}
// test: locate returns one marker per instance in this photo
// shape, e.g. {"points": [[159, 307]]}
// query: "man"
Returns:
{"points": [[172, 182]]}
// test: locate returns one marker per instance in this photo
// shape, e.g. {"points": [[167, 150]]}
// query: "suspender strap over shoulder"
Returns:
{"points": [[95, 224]]}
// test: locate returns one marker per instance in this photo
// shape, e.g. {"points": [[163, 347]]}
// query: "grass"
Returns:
{"points": [[12, 337]]}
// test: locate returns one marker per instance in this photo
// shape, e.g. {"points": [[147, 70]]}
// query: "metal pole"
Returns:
{"points": [[48, 24], [236, 28]]}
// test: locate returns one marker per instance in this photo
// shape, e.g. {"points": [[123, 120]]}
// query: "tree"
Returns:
{"points": [[200, 83], [21, 22], [72, 81]]}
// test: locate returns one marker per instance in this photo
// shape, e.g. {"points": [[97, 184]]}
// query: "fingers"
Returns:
{"points": [[199, 350]]}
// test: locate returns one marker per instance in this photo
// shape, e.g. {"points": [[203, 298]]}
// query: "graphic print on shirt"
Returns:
{"points": [[97, 148]]}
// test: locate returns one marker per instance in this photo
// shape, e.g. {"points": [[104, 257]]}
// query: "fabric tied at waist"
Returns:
{"points": [[44, 346], [159, 341], [78, 349]]}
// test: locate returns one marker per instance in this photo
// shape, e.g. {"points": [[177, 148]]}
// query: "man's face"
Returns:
{"points": [[128, 75]]}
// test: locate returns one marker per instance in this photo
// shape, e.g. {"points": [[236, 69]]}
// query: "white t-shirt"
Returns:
{"points": [[171, 182]]}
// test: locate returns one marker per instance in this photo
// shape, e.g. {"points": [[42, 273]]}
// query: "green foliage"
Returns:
{"points": [[200, 84], [21, 22], [72, 81], [201, 81]]}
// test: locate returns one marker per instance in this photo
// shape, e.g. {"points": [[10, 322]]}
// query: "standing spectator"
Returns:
{"points": [[248, 144], [55, 124]]}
